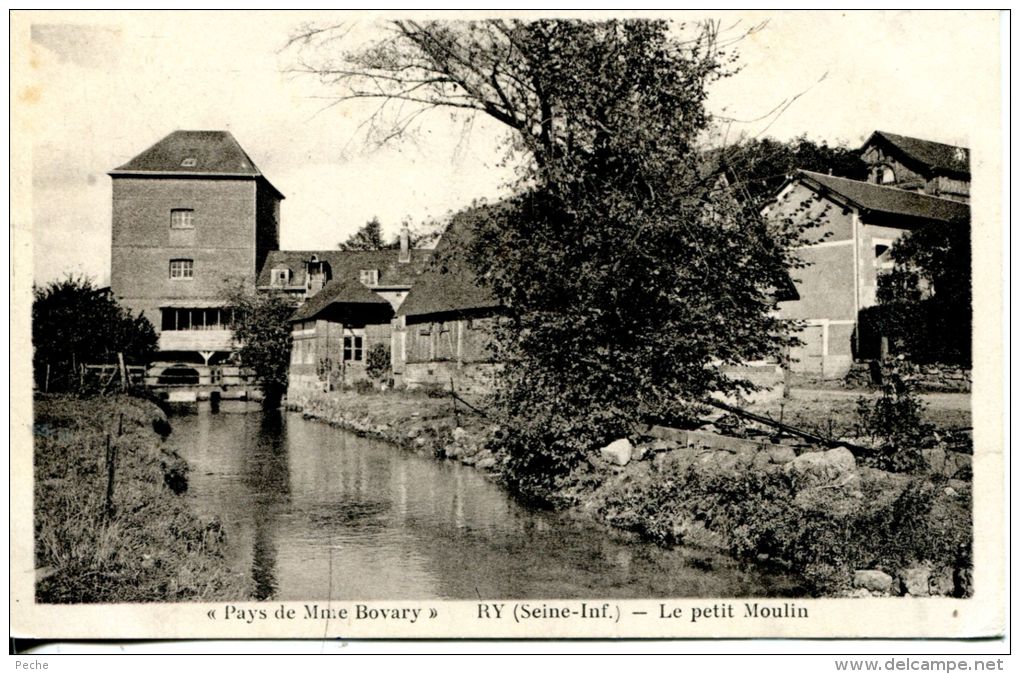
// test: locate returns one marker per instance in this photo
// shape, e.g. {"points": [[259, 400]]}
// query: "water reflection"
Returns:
{"points": [[318, 513]]}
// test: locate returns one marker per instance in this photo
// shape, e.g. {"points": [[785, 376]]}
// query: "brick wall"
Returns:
{"points": [[221, 243]]}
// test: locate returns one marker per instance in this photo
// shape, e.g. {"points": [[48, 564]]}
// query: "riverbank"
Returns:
{"points": [[847, 529], [139, 544]]}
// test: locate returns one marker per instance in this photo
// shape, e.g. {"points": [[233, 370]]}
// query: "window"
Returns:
{"points": [[369, 277], [182, 218], [352, 348], [182, 269], [883, 254], [211, 318], [888, 176], [189, 162], [281, 276]]}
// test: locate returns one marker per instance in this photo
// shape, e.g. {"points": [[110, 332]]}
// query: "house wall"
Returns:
{"points": [[827, 306], [440, 351], [317, 350], [906, 178], [840, 279], [267, 223], [221, 244]]}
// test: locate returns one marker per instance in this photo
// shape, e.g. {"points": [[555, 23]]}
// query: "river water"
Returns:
{"points": [[315, 513]]}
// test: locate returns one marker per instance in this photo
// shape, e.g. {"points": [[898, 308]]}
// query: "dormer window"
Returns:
{"points": [[369, 277], [182, 218], [281, 276], [960, 154], [189, 162]]}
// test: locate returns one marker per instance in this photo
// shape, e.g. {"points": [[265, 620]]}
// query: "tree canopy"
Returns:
{"points": [[630, 278], [369, 237], [261, 330], [74, 323]]}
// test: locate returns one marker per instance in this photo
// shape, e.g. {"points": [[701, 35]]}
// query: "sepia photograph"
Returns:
{"points": [[452, 324]]}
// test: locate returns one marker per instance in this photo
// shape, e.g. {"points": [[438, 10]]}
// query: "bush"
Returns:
{"points": [[895, 427], [759, 517], [377, 361], [74, 322]]}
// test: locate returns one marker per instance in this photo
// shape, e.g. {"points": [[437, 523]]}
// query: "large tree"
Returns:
{"points": [[629, 276], [261, 330]]}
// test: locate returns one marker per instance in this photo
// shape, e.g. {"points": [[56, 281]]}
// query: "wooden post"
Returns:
{"points": [[123, 371], [46, 385], [111, 469], [453, 399]]}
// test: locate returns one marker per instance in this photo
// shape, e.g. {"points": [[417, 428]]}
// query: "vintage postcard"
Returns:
{"points": [[515, 325]]}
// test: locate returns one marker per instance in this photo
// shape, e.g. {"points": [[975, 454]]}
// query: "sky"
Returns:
{"points": [[97, 89]]}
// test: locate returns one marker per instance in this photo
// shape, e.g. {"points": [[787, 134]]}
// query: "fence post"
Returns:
{"points": [[111, 468], [46, 385], [123, 371]]}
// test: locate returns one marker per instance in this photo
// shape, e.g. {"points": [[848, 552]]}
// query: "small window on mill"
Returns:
{"points": [[189, 162], [182, 218], [369, 277]]}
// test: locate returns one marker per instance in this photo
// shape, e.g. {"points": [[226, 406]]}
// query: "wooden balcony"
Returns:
{"points": [[196, 340]]}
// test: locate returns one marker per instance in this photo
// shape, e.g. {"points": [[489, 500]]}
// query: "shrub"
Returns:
{"points": [[74, 322], [895, 427], [759, 517], [377, 361]]}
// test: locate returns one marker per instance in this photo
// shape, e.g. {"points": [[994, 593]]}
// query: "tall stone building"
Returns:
{"points": [[190, 214]]}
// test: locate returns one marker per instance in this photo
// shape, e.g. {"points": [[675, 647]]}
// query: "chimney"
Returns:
{"points": [[405, 245]]}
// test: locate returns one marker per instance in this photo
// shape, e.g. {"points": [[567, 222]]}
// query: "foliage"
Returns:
{"points": [[925, 301], [759, 517], [758, 167], [262, 332], [605, 324], [895, 426], [74, 322], [369, 237], [377, 361]]}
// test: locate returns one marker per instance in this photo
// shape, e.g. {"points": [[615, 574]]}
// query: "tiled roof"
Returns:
{"points": [[338, 291], [347, 264], [214, 153], [939, 156], [890, 200], [449, 285]]}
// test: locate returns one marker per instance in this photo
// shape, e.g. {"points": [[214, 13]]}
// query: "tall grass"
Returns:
{"points": [[150, 546]]}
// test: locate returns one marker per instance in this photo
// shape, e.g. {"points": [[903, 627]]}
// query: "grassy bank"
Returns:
{"points": [[145, 545], [845, 528]]}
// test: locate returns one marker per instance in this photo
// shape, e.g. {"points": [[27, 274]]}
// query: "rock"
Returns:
{"points": [[958, 465], [460, 435], [818, 468], [951, 493], [781, 454], [940, 583], [640, 452], [860, 593], [873, 580], [914, 581], [618, 452], [935, 460]]}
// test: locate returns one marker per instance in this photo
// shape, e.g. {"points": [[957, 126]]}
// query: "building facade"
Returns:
{"points": [[918, 165], [191, 214], [853, 227]]}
